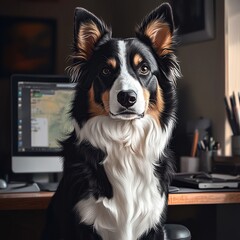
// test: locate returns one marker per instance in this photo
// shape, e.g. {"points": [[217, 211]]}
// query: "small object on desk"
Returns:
{"points": [[3, 184], [203, 181], [49, 186], [173, 189], [207, 148], [21, 188], [205, 161]]}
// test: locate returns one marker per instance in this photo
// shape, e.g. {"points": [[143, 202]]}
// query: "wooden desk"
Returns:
{"points": [[22, 215], [204, 198], [40, 201], [25, 201]]}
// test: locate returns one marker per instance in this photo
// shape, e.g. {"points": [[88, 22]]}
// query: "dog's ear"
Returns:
{"points": [[158, 28], [88, 31]]}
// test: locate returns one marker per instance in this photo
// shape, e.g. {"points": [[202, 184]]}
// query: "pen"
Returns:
{"points": [[235, 113], [230, 116], [195, 142], [202, 145]]}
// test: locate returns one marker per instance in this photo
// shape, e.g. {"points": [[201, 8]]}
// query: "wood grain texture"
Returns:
{"points": [[204, 198], [25, 201], [40, 201]]}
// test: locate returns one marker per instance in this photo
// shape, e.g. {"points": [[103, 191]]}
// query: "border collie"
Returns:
{"points": [[117, 167]]}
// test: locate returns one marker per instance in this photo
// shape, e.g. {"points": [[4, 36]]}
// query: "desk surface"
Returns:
{"points": [[40, 200]]}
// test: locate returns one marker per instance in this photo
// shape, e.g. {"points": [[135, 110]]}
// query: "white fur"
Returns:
{"points": [[133, 149], [126, 82]]}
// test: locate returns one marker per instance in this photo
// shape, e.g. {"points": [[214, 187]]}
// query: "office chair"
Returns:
{"points": [[177, 232]]}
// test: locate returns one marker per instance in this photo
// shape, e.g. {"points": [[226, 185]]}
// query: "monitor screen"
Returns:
{"points": [[40, 119]]}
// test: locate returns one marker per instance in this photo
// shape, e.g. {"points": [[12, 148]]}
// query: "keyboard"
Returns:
{"points": [[21, 188], [30, 187]]}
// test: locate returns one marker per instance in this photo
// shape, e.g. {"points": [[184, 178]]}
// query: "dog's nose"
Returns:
{"points": [[127, 98]]}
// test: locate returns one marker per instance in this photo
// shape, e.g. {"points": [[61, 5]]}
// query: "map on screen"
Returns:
{"points": [[49, 116]]}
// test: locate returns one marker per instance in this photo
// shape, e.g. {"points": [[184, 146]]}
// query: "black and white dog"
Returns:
{"points": [[116, 164]]}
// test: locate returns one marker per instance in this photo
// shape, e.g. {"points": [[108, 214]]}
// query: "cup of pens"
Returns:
{"points": [[205, 158], [233, 115], [207, 149]]}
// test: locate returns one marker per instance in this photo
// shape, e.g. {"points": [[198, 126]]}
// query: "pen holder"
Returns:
{"points": [[205, 158], [236, 145]]}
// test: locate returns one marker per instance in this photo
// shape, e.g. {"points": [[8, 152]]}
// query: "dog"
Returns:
{"points": [[117, 166]]}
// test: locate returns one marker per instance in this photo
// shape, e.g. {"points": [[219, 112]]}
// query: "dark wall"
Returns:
{"points": [[5, 129]]}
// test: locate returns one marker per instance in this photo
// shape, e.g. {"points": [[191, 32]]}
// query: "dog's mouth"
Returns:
{"points": [[126, 115]]}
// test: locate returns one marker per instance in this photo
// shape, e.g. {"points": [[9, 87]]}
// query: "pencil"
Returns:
{"points": [[230, 116], [235, 113], [195, 142]]}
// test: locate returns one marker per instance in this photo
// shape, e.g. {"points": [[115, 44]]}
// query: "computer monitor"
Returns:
{"points": [[40, 107]]}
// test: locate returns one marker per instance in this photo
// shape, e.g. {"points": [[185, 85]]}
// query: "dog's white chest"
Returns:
{"points": [[137, 204]]}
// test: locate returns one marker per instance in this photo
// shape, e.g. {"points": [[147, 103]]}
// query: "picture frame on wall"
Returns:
{"points": [[27, 45], [194, 20]]}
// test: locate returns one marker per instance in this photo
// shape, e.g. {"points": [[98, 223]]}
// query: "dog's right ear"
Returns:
{"points": [[88, 31]]}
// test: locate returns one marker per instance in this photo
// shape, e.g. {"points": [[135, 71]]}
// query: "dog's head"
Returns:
{"points": [[124, 78]]}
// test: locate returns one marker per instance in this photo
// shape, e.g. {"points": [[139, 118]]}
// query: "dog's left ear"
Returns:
{"points": [[88, 31], [158, 27]]}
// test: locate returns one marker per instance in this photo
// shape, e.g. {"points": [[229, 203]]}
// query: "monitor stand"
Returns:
{"points": [[47, 181], [42, 177], [38, 182]]}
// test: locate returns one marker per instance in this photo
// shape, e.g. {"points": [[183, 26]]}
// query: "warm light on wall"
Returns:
{"points": [[232, 57]]}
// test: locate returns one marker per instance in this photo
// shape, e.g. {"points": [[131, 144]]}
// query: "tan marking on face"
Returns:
{"points": [[154, 109], [137, 59], [94, 108], [105, 100], [88, 36], [112, 62], [146, 95], [160, 35]]}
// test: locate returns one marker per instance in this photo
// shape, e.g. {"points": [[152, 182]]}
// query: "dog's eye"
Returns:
{"points": [[144, 69], [106, 71]]}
